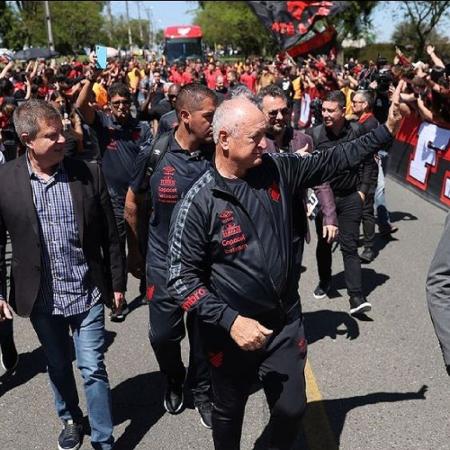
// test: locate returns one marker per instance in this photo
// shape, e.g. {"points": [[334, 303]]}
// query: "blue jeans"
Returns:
{"points": [[88, 331]]}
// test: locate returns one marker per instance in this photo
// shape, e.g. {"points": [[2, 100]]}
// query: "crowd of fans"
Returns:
{"points": [[425, 87], [133, 102]]}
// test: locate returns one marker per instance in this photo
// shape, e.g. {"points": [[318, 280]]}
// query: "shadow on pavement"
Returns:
{"points": [[139, 401], [30, 364], [337, 409], [397, 216], [323, 323], [371, 280]]}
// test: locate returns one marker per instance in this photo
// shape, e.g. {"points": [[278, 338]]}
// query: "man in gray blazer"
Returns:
{"points": [[438, 292], [66, 262]]}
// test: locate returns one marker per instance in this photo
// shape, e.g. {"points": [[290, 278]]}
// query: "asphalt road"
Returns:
{"points": [[374, 384]]}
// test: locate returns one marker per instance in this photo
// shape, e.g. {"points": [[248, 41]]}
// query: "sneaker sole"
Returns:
{"points": [[71, 448], [178, 409], [203, 422], [363, 308], [318, 297]]}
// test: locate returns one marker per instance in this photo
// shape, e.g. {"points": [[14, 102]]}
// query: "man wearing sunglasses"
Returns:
{"points": [[282, 138], [120, 138]]}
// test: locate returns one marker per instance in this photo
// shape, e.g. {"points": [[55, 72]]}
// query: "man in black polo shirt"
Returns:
{"points": [[350, 188], [120, 138], [187, 157]]}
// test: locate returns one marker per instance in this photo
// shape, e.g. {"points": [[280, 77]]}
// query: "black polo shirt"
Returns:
{"points": [[174, 175], [120, 145]]}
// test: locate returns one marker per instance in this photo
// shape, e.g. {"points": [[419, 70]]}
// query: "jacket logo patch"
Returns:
{"points": [[302, 345], [233, 238], [150, 291], [226, 216], [274, 192], [216, 359], [135, 135], [192, 299], [167, 189]]}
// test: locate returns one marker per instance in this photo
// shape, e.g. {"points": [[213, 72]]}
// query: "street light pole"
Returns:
{"points": [[130, 39], [141, 34], [48, 19], [149, 18], [110, 20]]}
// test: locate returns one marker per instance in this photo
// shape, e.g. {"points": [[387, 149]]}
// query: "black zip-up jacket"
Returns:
{"points": [[216, 263], [353, 179]]}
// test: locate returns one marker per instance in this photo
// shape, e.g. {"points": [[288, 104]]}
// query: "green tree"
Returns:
{"points": [[422, 21], [405, 37], [119, 32], [233, 24], [11, 33], [355, 21], [74, 24]]}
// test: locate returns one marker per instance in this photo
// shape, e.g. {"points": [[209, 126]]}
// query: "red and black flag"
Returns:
{"points": [[420, 159], [289, 22]]}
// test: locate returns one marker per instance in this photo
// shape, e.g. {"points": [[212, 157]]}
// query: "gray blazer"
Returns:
{"points": [[438, 291]]}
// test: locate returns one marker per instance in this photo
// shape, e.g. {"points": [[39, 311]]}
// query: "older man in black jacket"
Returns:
{"points": [[66, 262], [231, 259]]}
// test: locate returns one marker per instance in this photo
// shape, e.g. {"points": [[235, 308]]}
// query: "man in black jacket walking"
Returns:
{"points": [[231, 260], [350, 188]]}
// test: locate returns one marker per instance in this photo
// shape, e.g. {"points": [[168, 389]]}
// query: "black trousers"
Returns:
{"points": [[6, 330], [279, 367], [166, 331], [349, 213], [118, 204], [368, 221]]}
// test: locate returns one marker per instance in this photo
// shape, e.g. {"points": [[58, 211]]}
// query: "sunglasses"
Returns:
{"points": [[274, 112]]}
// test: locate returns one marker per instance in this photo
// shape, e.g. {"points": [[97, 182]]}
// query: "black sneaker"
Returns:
{"points": [[9, 357], [173, 397], [367, 256], [119, 316], [359, 305], [70, 437], [322, 290], [205, 410]]}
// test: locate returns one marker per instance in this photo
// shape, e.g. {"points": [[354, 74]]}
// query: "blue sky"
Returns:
{"points": [[178, 13]]}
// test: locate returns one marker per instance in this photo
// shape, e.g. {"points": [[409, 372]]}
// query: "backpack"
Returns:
{"points": [[158, 149]]}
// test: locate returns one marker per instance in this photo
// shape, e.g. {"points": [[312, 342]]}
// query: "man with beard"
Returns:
{"points": [[281, 138], [349, 188], [185, 158]]}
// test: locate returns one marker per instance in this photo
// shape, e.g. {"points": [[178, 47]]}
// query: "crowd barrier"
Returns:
{"points": [[420, 159]]}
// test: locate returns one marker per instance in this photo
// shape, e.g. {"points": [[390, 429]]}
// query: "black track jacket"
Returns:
{"points": [[216, 262]]}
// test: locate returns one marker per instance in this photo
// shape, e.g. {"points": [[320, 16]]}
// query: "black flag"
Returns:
{"points": [[290, 21]]}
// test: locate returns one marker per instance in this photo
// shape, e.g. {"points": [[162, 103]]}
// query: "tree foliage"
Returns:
{"points": [[355, 21], [421, 24], [119, 32], [74, 24], [233, 24]]}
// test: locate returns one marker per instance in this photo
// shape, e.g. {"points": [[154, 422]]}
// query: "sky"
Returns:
{"points": [[180, 13]]}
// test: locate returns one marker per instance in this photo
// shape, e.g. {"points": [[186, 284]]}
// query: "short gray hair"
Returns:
{"points": [[225, 117], [368, 98], [28, 116]]}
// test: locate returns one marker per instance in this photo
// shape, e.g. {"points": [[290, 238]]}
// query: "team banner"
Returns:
{"points": [[289, 22], [420, 158]]}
